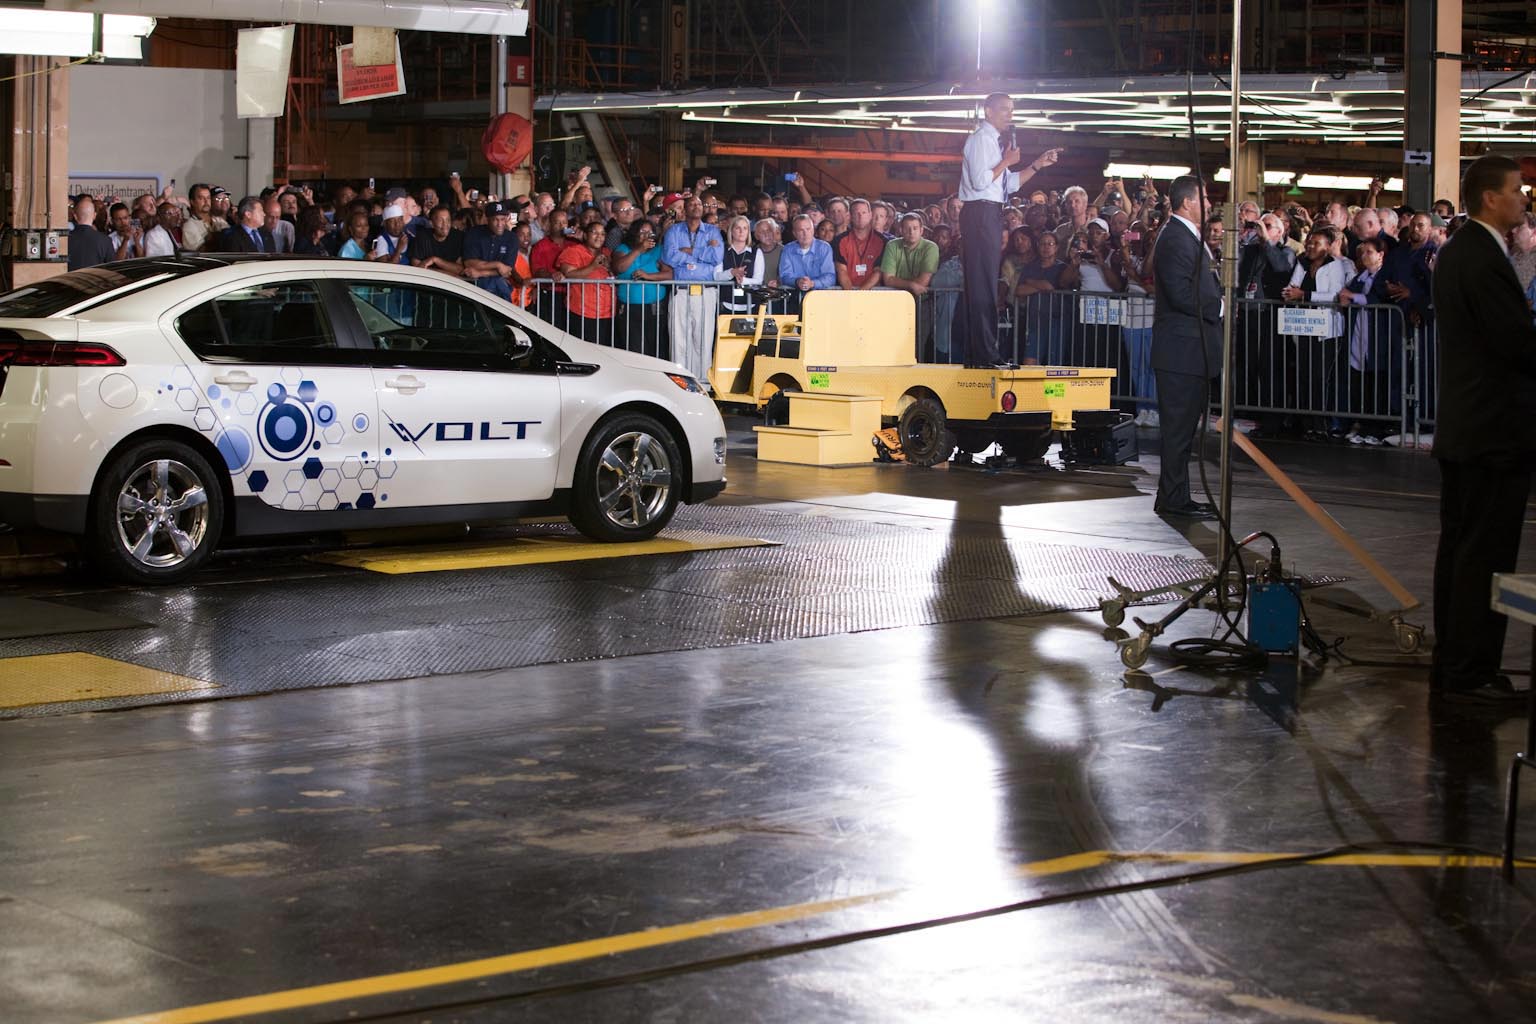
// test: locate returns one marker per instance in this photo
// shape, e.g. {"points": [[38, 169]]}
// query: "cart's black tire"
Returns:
{"points": [[925, 436]]}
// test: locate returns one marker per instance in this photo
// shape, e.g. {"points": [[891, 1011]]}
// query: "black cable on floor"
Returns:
{"points": [[848, 938]]}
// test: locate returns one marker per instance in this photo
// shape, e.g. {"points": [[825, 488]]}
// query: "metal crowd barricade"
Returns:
{"points": [[1422, 380], [1335, 365], [1331, 366]]}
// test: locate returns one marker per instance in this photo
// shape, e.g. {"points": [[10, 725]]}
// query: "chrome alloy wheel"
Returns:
{"points": [[162, 513], [634, 480]]}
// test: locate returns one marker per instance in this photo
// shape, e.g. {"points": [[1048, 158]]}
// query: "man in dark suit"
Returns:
{"points": [[249, 232], [1485, 435], [87, 246], [1186, 342]]}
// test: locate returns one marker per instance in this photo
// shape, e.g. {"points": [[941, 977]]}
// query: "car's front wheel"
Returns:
{"points": [[157, 513], [627, 480]]}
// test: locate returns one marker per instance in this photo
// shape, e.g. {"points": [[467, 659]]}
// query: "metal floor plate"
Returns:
{"points": [[826, 575]]}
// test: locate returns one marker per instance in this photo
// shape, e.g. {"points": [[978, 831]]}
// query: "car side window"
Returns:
{"points": [[407, 320], [259, 321]]}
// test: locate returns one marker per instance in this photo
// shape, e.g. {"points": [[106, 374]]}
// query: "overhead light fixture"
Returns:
{"points": [[1270, 177], [802, 122], [72, 34], [1161, 172], [1324, 181]]}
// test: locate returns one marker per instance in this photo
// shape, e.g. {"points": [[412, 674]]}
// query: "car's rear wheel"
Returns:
{"points": [[925, 436], [627, 480], [157, 513]]}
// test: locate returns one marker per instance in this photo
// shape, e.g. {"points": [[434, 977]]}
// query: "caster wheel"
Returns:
{"points": [[1113, 611], [1409, 637], [1134, 653]]}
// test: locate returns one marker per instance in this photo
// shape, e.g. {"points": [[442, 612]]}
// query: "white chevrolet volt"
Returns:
{"points": [[158, 406]]}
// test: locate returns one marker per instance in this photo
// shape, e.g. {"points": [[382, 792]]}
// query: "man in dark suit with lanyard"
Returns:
{"points": [[1485, 432], [985, 185], [1186, 342]]}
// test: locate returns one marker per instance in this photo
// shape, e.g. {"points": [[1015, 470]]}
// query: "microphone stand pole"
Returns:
{"points": [[1229, 291]]}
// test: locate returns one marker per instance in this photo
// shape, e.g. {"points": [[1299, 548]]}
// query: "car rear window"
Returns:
{"points": [[56, 294]]}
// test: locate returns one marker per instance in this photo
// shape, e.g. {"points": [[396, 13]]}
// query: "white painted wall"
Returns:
{"points": [[158, 123]]}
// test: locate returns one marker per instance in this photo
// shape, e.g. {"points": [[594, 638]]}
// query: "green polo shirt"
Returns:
{"points": [[908, 264]]}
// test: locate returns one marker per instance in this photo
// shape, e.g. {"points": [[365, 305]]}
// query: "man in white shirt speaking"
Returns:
{"points": [[985, 185]]}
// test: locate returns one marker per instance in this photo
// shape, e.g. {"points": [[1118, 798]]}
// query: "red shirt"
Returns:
{"points": [[544, 254], [848, 251]]}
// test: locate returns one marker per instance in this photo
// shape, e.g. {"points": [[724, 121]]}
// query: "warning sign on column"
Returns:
{"points": [[355, 84]]}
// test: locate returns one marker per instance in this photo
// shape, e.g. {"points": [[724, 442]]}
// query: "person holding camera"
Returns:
{"points": [[1092, 264]]}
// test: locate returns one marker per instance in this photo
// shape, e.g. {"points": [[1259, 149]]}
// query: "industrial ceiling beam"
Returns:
{"points": [[475, 17]]}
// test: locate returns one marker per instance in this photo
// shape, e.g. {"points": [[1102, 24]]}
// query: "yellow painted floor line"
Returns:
{"points": [[524, 551], [60, 678], [591, 949], [474, 970], [1099, 858]]}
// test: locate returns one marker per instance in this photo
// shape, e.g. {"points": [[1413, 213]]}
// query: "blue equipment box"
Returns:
{"points": [[1274, 616]]}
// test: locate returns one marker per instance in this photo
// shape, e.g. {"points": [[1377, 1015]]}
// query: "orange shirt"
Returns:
{"points": [[594, 301], [524, 295]]}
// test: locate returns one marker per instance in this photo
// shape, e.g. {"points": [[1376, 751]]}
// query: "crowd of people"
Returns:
{"points": [[609, 269]]}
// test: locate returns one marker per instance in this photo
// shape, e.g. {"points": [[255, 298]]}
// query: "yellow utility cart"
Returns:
{"points": [[827, 378]]}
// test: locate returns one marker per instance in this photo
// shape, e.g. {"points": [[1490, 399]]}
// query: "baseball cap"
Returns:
{"points": [[496, 209], [1099, 222], [1435, 220], [218, 191], [396, 194], [393, 210]]}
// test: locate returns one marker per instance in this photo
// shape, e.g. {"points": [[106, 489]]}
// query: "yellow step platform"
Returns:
{"points": [[824, 430]]}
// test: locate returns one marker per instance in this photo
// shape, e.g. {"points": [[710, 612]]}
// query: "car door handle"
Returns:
{"points": [[239, 380], [406, 385]]}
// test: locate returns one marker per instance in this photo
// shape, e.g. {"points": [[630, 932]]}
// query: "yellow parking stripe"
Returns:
{"points": [[524, 551], [59, 678], [591, 949], [1098, 858], [473, 970]]}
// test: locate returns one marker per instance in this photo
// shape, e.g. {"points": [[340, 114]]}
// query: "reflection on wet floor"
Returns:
{"points": [[652, 825]]}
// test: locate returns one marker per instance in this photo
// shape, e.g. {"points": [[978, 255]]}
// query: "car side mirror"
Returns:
{"points": [[518, 344]]}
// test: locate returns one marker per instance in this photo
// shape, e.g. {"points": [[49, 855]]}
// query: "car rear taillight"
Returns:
{"points": [[58, 353]]}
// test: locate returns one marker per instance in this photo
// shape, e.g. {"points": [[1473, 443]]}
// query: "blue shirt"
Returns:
{"points": [[480, 244], [698, 265], [639, 294], [816, 265]]}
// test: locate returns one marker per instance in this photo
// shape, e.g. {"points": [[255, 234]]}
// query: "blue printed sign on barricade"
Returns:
{"points": [[1101, 309], [1313, 323]]}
